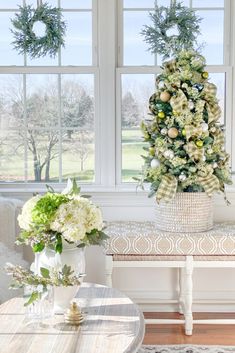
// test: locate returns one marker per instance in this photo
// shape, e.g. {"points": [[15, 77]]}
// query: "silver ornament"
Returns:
{"points": [[161, 84], [203, 158], [209, 151], [191, 105], [215, 165], [164, 131], [204, 127], [154, 163], [182, 177], [168, 154]]}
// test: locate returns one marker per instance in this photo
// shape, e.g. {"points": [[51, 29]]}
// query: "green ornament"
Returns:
{"points": [[199, 143], [161, 115], [152, 151], [205, 75], [27, 42]]}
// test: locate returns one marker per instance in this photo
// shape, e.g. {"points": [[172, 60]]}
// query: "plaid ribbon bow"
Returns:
{"points": [[167, 188], [194, 152], [152, 104], [210, 184], [219, 139], [179, 102], [209, 90], [192, 131], [170, 66], [214, 112]]}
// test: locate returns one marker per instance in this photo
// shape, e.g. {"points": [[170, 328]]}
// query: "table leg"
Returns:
{"points": [[108, 270], [188, 299]]}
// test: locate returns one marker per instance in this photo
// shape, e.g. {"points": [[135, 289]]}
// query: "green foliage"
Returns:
{"points": [[38, 247], [164, 18], [25, 39], [95, 237], [58, 244], [33, 297]]}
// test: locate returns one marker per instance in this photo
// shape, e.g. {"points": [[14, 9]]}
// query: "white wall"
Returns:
{"points": [[143, 284]]}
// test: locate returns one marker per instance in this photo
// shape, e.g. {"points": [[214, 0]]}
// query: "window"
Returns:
{"points": [[137, 67], [78, 115], [47, 106]]}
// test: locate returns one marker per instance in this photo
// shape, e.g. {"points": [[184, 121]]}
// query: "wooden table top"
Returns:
{"points": [[112, 324]]}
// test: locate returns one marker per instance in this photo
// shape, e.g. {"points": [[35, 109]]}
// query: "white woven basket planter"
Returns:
{"points": [[187, 212]]}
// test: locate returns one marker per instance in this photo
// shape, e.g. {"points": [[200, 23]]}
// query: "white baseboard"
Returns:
{"points": [[204, 301]]}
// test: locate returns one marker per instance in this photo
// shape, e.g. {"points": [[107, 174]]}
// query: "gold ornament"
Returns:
{"points": [[173, 132], [152, 151], [165, 96], [183, 132], [199, 143], [73, 315], [205, 74], [161, 115]]}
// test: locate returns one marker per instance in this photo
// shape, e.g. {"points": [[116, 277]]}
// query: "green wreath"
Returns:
{"points": [[164, 19], [26, 41]]}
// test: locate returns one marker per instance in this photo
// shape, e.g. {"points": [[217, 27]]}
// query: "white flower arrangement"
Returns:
{"points": [[53, 218]]}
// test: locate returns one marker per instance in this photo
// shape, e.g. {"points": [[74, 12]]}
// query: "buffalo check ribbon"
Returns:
{"points": [[167, 188], [209, 90], [170, 65], [210, 184], [192, 131], [194, 152], [179, 102], [219, 139], [214, 112]]}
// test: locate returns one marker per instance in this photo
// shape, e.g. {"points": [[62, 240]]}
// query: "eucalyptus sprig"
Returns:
{"points": [[23, 277]]}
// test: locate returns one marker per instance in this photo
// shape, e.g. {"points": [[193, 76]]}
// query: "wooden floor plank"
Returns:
{"points": [[202, 334]]}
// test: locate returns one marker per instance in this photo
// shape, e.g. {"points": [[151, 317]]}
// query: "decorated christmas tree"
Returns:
{"points": [[186, 140]]}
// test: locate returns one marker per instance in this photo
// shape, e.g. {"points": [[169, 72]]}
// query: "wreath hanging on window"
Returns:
{"points": [[25, 24], [174, 28]]}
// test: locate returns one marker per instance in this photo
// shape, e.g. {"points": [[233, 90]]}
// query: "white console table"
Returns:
{"points": [[141, 244]]}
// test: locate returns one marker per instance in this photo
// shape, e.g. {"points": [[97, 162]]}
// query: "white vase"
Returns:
{"points": [[70, 256], [63, 297]]}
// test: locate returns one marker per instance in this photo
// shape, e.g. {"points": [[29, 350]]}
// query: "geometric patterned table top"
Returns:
{"points": [[143, 238]]}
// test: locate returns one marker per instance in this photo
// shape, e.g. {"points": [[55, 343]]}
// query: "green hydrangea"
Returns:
{"points": [[46, 207]]}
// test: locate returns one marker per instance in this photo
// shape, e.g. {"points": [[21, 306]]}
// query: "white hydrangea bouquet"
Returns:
{"points": [[53, 219]]}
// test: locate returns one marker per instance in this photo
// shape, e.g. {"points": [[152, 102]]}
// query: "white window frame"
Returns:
{"points": [[60, 70], [107, 68]]}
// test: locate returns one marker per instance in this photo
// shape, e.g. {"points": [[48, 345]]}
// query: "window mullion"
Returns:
{"points": [[25, 130], [107, 65]]}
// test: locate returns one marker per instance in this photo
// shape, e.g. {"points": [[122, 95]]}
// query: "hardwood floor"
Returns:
{"points": [[202, 334]]}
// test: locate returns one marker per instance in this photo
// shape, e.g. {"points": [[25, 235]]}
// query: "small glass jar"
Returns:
{"points": [[43, 307]]}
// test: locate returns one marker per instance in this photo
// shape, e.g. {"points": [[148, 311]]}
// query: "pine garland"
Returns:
{"points": [[26, 41]]}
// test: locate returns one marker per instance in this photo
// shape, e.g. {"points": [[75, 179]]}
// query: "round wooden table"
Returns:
{"points": [[113, 324]]}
